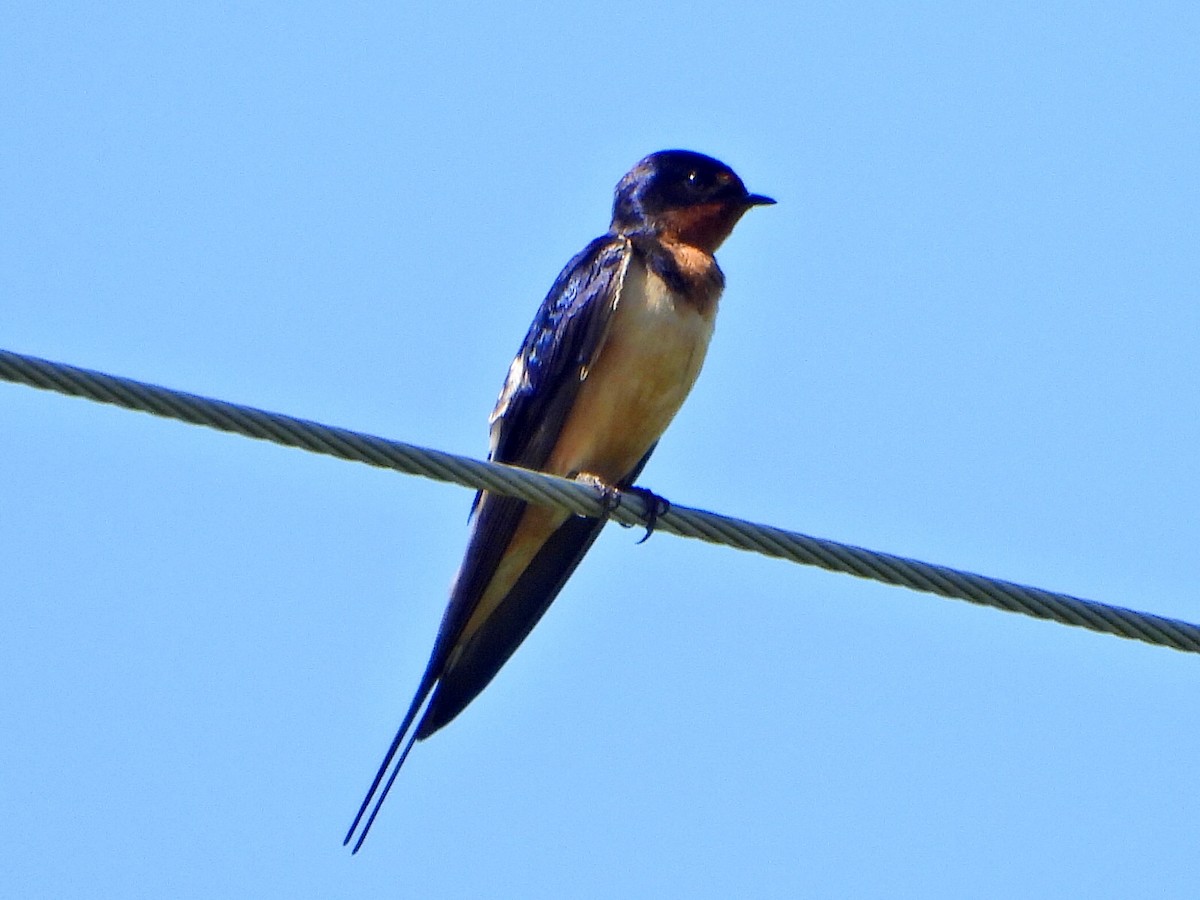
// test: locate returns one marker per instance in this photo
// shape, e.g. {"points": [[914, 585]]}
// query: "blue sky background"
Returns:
{"points": [[967, 333]]}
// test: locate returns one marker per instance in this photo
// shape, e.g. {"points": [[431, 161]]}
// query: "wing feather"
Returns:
{"points": [[543, 381]]}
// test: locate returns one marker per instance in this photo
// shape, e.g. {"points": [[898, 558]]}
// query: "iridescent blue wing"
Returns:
{"points": [[562, 342], [543, 382]]}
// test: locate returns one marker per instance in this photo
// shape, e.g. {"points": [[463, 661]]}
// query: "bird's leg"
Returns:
{"points": [[609, 496]]}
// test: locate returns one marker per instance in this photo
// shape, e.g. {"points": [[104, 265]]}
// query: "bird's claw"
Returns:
{"points": [[610, 500], [655, 506], [610, 497]]}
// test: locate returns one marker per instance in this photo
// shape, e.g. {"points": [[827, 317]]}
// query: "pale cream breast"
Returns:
{"points": [[651, 357]]}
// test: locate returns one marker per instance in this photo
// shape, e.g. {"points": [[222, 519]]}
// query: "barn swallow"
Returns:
{"points": [[606, 364]]}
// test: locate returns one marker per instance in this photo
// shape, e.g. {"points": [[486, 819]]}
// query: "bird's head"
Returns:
{"points": [[683, 196]]}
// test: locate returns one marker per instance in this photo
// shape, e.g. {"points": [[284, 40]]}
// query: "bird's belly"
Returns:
{"points": [[651, 357]]}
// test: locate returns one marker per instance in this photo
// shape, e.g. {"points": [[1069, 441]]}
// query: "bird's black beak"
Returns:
{"points": [[758, 200]]}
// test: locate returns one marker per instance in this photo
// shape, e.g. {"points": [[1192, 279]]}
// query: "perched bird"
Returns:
{"points": [[610, 357]]}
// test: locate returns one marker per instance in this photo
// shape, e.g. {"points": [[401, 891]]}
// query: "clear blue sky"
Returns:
{"points": [[967, 333]]}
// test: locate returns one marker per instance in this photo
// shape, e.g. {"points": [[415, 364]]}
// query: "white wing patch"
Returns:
{"points": [[517, 380]]}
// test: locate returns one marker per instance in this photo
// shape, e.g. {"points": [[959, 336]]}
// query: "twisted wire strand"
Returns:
{"points": [[548, 490]]}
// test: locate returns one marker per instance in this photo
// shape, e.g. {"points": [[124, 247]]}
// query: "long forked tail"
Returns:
{"points": [[392, 760]]}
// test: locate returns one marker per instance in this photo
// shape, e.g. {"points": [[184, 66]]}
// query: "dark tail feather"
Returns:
{"points": [[498, 638], [491, 530], [482, 658], [427, 682]]}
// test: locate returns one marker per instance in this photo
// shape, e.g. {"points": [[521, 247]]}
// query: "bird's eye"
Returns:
{"points": [[697, 181]]}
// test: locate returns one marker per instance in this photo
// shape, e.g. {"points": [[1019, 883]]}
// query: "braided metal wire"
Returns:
{"points": [[581, 499]]}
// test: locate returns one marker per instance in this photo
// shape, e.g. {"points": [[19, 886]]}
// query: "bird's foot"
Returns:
{"points": [[655, 506], [610, 499], [609, 496]]}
